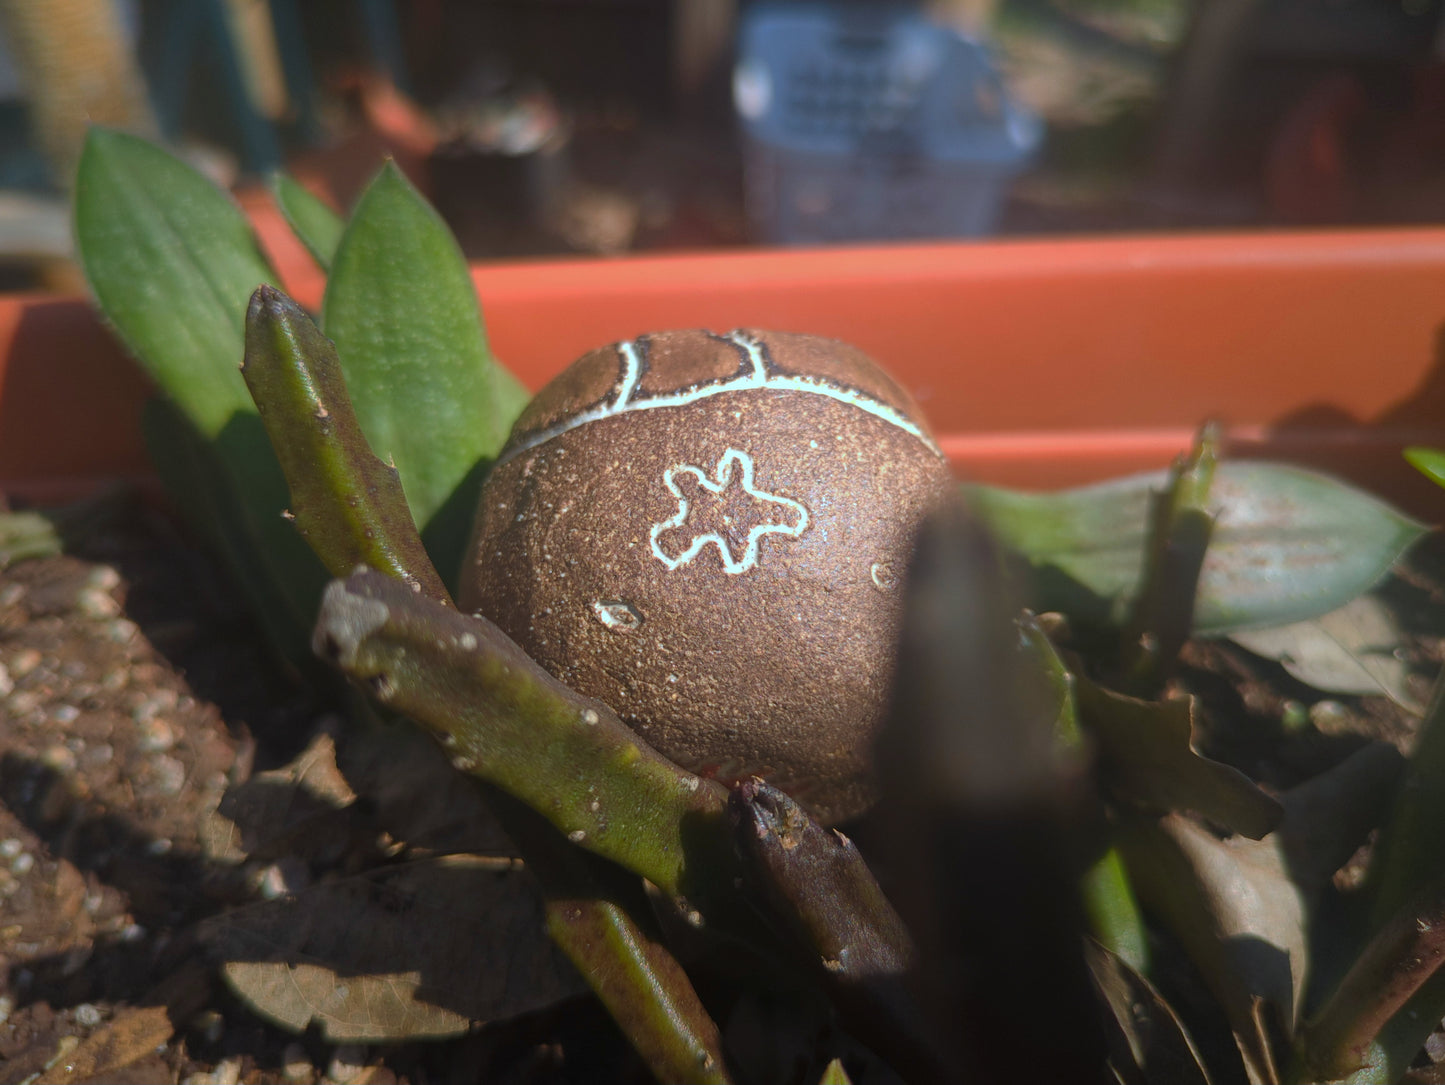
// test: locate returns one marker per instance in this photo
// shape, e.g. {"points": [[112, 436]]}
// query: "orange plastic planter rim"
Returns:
{"points": [[1038, 363]]}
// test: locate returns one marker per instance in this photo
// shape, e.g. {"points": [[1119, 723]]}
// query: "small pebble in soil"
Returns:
{"points": [[103, 578], [97, 605], [156, 735], [65, 714], [97, 755], [159, 846], [10, 847], [23, 662], [22, 864], [286, 875], [7, 684], [296, 1065], [87, 1015], [11, 594], [169, 775], [24, 702], [154, 704], [210, 1025], [121, 631], [347, 1063], [1330, 717], [132, 933], [227, 1072], [7, 1007], [58, 758]]}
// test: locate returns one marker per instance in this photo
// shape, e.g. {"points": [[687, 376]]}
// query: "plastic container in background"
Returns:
{"points": [[869, 121]]}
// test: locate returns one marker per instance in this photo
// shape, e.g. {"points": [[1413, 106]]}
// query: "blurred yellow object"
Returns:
{"points": [[77, 69]]}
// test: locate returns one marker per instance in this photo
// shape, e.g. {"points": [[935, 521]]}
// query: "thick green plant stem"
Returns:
{"points": [[812, 884], [351, 508], [600, 917], [1409, 857], [1353, 1032], [503, 719], [347, 504], [1180, 526]]}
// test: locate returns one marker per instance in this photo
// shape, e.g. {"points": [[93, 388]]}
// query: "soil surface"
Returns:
{"points": [[134, 693]]}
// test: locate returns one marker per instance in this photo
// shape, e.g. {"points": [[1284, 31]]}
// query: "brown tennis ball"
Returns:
{"points": [[708, 533]]}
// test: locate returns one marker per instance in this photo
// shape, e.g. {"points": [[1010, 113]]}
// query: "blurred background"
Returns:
{"points": [[545, 127]]}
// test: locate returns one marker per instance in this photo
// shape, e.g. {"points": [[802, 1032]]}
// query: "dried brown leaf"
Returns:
{"points": [[1145, 754], [423, 949], [1349, 650], [415, 793], [1148, 1043], [255, 816], [1239, 916], [128, 1037]]}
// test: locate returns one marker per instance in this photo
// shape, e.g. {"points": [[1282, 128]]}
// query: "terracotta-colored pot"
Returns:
{"points": [[1039, 363]]}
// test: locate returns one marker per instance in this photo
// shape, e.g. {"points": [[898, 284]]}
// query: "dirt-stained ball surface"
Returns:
{"points": [[709, 533]]}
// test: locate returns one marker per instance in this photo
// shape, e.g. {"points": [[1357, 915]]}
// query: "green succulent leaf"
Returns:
{"points": [[1288, 544], [431, 398], [172, 262], [314, 223]]}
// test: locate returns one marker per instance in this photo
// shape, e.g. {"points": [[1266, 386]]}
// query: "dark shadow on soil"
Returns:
{"points": [[194, 618]]}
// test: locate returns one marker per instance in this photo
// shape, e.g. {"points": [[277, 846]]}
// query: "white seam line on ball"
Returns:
{"points": [[757, 380]]}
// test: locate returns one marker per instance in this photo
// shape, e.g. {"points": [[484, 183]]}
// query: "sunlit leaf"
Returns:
{"points": [[172, 262], [431, 398], [1349, 650], [1288, 544]]}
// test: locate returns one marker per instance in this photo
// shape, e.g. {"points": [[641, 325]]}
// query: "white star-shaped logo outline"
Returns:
{"points": [[730, 459]]}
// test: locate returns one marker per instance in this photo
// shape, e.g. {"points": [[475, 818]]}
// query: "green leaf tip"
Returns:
{"points": [[315, 225], [347, 503], [1430, 462], [403, 312]]}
